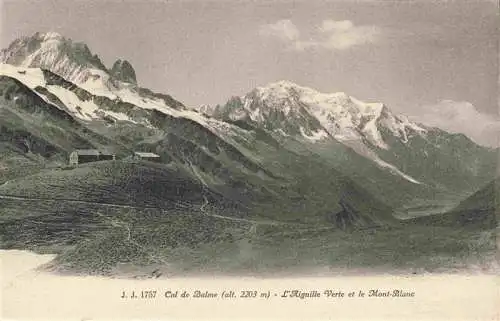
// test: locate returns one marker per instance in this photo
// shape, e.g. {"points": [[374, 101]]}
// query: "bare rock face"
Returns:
{"points": [[71, 60], [122, 70]]}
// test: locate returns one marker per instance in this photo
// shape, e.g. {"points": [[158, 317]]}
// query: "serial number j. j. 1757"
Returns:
{"points": [[144, 294]]}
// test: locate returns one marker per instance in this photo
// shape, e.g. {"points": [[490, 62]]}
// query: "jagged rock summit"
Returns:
{"points": [[122, 70], [72, 60]]}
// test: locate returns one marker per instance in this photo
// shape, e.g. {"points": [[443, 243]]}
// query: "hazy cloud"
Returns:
{"points": [[330, 34], [462, 117], [344, 34], [283, 29]]}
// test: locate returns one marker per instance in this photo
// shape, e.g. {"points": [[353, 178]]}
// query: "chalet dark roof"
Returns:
{"points": [[91, 152], [87, 152], [145, 154]]}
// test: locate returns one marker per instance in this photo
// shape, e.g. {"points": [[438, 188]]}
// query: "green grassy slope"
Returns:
{"points": [[446, 162], [116, 182], [478, 211], [195, 246]]}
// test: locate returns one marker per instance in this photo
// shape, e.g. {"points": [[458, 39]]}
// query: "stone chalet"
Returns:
{"points": [[152, 157], [80, 156]]}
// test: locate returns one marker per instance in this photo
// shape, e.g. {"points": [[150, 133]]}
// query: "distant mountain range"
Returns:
{"points": [[284, 150], [370, 129]]}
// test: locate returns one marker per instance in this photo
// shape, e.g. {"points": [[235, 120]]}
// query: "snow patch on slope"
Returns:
{"points": [[315, 136], [85, 110], [129, 96], [98, 83], [31, 77], [360, 148], [395, 170]]}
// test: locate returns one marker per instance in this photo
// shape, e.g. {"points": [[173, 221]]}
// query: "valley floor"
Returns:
{"points": [[127, 241]]}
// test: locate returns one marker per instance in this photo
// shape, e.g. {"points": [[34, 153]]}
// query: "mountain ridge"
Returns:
{"points": [[278, 113], [51, 50], [294, 110], [338, 114]]}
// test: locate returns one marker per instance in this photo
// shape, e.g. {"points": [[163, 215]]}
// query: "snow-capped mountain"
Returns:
{"points": [[204, 109], [61, 67], [371, 130], [75, 62], [71, 60], [292, 109]]}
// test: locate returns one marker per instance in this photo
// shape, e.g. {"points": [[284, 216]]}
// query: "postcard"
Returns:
{"points": [[249, 160]]}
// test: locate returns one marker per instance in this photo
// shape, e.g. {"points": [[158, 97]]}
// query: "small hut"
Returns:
{"points": [[105, 155], [80, 156], [152, 157]]}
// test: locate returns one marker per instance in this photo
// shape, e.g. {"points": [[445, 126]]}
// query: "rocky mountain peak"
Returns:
{"points": [[48, 36], [122, 70], [71, 60], [295, 110]]}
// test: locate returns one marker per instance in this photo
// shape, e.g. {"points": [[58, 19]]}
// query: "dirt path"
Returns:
{"points": [[254, 223], [179, 205], [121, 224]]}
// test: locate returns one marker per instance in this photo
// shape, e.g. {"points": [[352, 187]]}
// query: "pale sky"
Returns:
{"points": [[411, 55]]}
